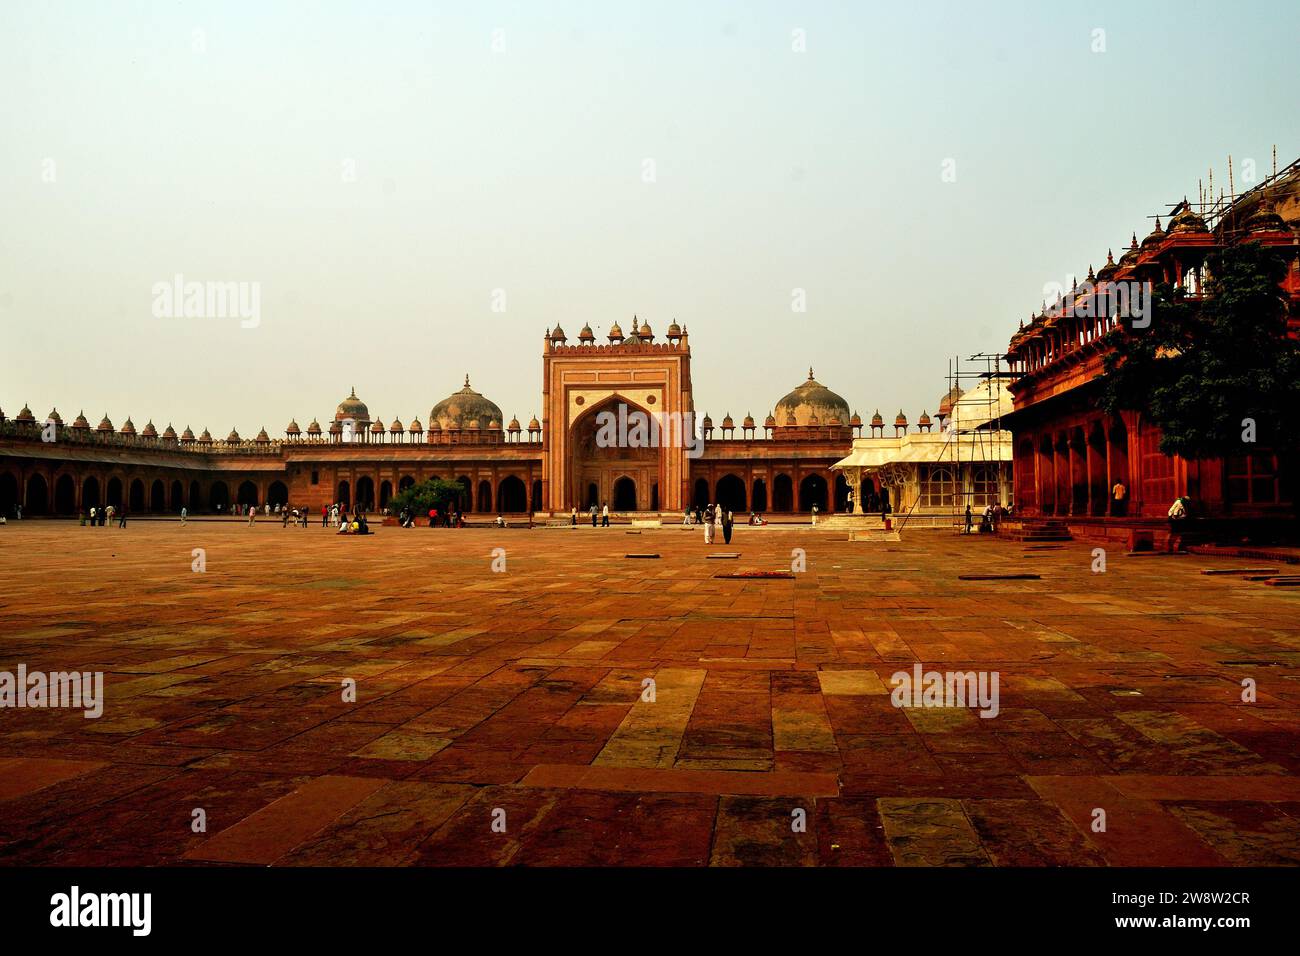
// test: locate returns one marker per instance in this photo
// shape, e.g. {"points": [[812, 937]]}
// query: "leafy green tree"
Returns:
{"points": [[1203, 367], [421, 498]]}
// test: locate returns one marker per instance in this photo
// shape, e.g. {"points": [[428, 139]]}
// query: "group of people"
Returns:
{"points": [[713, 515], [990, 520], [599, 516], [101, 515]]}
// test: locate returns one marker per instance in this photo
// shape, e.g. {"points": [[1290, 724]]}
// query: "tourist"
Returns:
{"points": [[1119, 499], [184, 513], [969, 519], [686, 517], [82, 515], [814, 515], [848, 502], [710, 518], [252, 516], [986, 521], [94, 516], [284, 517], [728, 521], [1178, 513], [592, 510], [501, 521], [604, 515], [121, 523]]}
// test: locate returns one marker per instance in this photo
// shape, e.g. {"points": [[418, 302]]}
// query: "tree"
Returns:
{"points": [[1203, 367], [420, 499]]}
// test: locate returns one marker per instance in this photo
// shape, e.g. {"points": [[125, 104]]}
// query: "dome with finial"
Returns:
{"points": [[1130, 255], [790, 420], [514, 424], [129, 427], [26, 415], [813, 420], [54, 416], [81, 424], [1186, 222], [313, 428], [586, 335], [674, 330], [293, 428], [262, 437], [770, 421], [205, 438], [876, 419], [353, 408], [434, 426], [949, 400], [149, 430], [727, 421], [708, 422], [615, 334], [900, 419], [1266, 219], [396, 427], [169, 433], [187, 435], [233, 437], [534, 424], [1156, 237], [924, 419], [558, 335], [1109, 269], [748, 422], [855, 420], [415, 428], [377, 427], [645, 332], [812, 400], [464, 409]]}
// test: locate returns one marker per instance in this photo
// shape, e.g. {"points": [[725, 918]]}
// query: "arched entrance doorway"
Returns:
{"points": [[385, 492], [783, 493], [90, 493], [277, 494], [406, 481], [38, 496], [157, 497], [760, 495], [512, 496], [65, 495], [196, 496], [219, 499], [700, 496], [344, 496], [8, 494], [484, 497], [812, 491], [600, 455], [731, 493], [624, 494], [178, 496], [365, 493], [113, 495], [841, 492], [137, 495], [247, 494]]}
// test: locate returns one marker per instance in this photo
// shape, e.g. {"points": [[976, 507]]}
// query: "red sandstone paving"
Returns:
{"points": [[516, 698]]}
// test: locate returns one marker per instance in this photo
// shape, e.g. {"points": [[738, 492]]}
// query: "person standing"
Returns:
{"points": [[814, 515], [184, 514], [252, 516], [849, 502], [710, 517], [728, 521], [121, 523], [969, 518], [1119, 497], [592, 512], [604, 515], [94, 516], [573, 517]]}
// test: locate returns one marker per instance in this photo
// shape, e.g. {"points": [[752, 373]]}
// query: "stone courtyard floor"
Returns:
{"points": [[520, 691]]}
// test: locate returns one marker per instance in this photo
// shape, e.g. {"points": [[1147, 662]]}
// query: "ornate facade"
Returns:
{"points": [[781, 465], [1069, 454]]}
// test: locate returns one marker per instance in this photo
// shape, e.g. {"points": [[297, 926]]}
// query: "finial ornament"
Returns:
{"points": [[810, 375], [467, 379]]}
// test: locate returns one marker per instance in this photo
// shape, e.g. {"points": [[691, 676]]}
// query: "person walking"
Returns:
{"points": [[710, 517], [121, 523], [969, 519], [184, 514], [252, 516], [728, 522], [604, 515], [814, 515], [592, 512], [573, 517]]}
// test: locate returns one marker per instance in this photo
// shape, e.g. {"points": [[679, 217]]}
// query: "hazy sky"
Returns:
{"points": [[215, 140]]}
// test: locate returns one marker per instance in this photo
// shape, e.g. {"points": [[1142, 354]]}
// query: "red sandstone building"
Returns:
{"points": [[1069, 454], [782, 465]]}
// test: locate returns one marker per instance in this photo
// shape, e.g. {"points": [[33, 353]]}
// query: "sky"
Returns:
{"points": [[416, 191]]}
